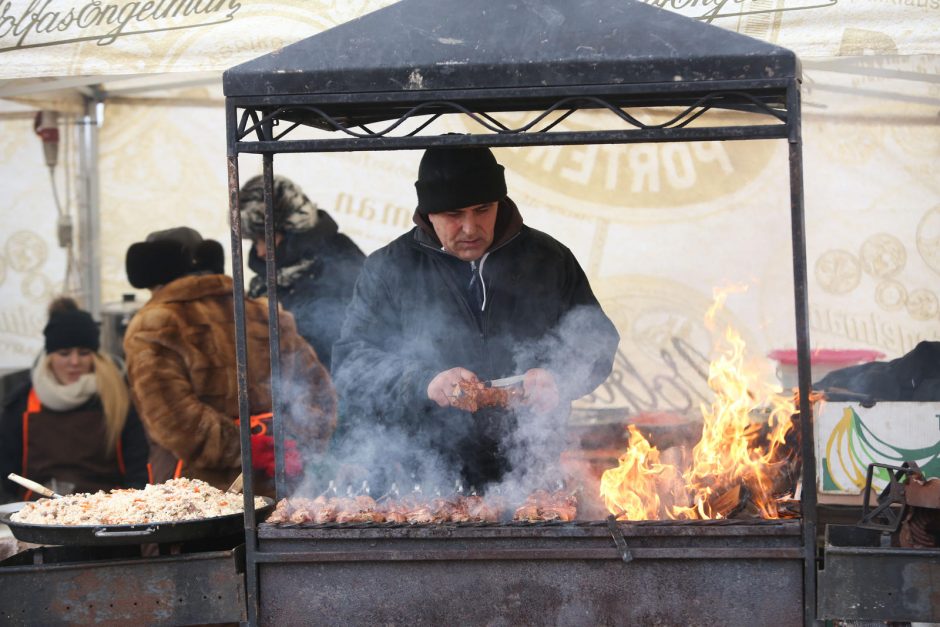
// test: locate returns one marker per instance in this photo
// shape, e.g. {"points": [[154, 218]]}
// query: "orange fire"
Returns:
{"points": [[728, 468]]}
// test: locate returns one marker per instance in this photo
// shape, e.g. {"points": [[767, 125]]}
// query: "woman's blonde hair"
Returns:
{"points": [[112, 390]]}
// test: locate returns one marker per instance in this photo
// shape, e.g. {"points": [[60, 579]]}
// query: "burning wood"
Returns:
{"points": [[738, 467]]}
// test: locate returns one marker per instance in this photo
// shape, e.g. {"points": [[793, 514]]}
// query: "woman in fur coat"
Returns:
{"points": [[180, 350]]}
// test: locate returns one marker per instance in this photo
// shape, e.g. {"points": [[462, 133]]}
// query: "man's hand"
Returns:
{"points": [[441, 387], [541, 393]]}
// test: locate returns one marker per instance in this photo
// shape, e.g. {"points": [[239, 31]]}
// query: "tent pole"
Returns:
{"points": [[89, 211]]}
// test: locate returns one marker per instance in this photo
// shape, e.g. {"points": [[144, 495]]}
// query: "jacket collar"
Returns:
{"points": [[193, 287], [298, 245], [508, 225]]}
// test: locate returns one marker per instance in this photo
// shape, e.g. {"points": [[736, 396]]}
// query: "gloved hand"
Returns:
{"points": [[262, 455], [293, 464]]}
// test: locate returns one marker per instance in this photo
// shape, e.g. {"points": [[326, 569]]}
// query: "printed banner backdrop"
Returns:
{"points": [[101, 37], [32, 265], [657, 227]]}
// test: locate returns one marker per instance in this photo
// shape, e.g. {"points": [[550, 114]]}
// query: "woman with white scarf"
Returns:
{"points": [[73, 424]]}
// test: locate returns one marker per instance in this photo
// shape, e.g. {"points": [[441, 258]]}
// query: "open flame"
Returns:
{"points": [[736, 463]]}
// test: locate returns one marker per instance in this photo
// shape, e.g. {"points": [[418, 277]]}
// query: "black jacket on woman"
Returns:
{"points": [[63, 450], [412, 316], [317, 270]]}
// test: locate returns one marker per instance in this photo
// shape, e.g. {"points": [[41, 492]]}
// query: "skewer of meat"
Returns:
{"points": [[361, 509], [471, 396], [481, 510], [544, 506]]}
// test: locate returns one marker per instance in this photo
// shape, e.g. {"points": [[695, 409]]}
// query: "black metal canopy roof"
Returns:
{"points": [[430, 45]]}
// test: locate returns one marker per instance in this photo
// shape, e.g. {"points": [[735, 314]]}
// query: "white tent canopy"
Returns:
{"points": [[152, 156]]}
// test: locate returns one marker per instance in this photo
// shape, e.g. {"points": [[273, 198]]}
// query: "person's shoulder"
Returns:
{"points": [[402, 246], [152, 316], [391, 262], [348, 248], [535, 239], [18, 385]]}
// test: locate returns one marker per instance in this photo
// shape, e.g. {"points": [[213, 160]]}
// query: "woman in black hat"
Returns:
{"points": [[73, 425]]}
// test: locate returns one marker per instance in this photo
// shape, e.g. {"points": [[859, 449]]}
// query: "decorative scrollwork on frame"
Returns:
{"points": [[541, 123]]}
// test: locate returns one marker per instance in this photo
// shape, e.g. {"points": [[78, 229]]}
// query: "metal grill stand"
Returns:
{"points": [[368, 81]]}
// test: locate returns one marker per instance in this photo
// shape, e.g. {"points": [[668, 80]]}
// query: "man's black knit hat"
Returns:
{"points": [[69, 327], [451, 178]]}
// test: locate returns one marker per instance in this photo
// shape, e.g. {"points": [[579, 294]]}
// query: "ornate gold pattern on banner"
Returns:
{"points": [[25, 251], [890, 295], [922, 304], [928, 239], [36, 286], [883, 255], [838, 271]]}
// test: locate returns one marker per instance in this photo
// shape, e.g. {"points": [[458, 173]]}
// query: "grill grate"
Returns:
{"points": [[731, 522]]}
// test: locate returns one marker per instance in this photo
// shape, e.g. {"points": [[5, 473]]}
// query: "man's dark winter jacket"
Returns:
{"points": [[411, 318], [317, 270]]}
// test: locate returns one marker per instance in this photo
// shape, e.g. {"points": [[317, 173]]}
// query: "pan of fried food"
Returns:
{"points": [[176, 511]]}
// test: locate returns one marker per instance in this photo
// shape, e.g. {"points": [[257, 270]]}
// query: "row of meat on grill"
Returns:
{"points": [[540, 506]]}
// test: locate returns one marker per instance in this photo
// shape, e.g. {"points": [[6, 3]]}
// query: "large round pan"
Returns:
{"points": [[102, 535]]}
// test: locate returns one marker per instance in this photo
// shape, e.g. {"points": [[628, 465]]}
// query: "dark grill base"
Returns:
{"points": [[865, 581], [559, 574], [57, 585]]}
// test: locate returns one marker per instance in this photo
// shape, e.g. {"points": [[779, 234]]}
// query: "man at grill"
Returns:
{"points": [[469, 295]]}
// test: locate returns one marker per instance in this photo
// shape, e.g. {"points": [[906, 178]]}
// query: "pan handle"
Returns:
{"points": [[102, 532]]}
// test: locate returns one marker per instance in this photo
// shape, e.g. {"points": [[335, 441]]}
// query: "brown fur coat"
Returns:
{"points": [[180, 351]]}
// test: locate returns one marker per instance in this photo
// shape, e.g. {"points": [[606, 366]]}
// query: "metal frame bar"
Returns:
{"points": [[774, 87], [443, 555], [505, 140], [241, 372], [732, 99], [801, 304], [774, 90]]}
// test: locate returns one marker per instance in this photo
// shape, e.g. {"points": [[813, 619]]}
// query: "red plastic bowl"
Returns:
{"points": [[828, 356]]}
